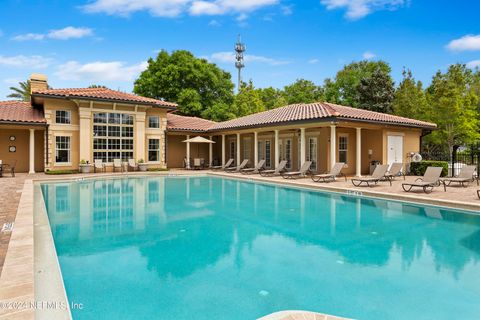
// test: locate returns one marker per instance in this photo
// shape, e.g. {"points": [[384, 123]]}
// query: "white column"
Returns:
{"points": [[302, 147], [210, 151], [223, 149], [359, 153], [277, 149], [188, 153], [140, 136], [31, 155], [238, 149], [333, 145], [255, 148], [85, 134]]}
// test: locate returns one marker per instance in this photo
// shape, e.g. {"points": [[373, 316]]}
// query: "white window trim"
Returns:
{"points": [[68, 163], [159, 122], [343, 135], [158, 150], [69, 112]]}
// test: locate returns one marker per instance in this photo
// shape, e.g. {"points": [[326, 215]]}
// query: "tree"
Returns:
{"points": [[199, 87], [454, 104], [248, 100], [375, 93], [409, 100], [272, 98], [303, 91], [22, 92], [95, 86], [343, 89]]}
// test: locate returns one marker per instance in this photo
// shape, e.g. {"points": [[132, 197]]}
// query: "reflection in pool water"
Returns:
{"points": [[213, 248]]}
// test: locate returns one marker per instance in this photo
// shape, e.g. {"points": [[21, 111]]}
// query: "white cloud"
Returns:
{"points": [[58, 34], [11, 81], [229, 57], [173, 8], [357, 9], [214, 23], [367, 55], [287, 10], [313, 61], [21, 61], [473, 64], [100, 71], [466, 43]]}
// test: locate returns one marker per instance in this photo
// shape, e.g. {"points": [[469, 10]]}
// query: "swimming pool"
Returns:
{"points": [[215, 248]]}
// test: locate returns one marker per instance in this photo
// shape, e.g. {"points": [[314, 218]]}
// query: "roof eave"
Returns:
{"points": [[30, 123]]}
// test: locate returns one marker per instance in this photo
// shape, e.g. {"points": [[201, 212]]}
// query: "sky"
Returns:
{"points": [[107, 42]]}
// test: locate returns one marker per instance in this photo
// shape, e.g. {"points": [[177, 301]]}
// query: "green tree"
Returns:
{"points": [[454, 104], [199, 87], [272, 98], [22, 92], [344, 88], [303, 91], [409, 100], [248, 100], [375, 93], [95, 86]]}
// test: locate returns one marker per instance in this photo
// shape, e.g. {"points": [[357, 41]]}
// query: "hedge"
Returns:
{"points": [[61, 171], [419, 168]]}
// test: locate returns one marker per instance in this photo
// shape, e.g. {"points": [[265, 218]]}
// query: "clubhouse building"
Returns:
{"points": [[59, 128]]}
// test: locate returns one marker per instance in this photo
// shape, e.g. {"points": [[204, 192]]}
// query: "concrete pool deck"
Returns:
{"points": [[17, 248]]}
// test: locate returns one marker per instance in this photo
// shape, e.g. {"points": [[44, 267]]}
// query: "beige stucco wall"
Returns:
{"points": [[22, 144]]}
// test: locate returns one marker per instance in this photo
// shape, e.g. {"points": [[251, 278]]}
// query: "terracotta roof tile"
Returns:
{"points": [[103, 94], [19, 111], [181, 123]]}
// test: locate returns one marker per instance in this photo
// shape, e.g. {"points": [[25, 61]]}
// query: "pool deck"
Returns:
{"points": [[17, 276]]}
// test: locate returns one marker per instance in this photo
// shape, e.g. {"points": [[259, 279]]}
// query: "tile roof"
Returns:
{"points": [[312, 111], [103, 94], [176, 122], [21, 112]]}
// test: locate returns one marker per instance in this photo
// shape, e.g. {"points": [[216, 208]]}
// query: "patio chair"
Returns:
{"points": [[396, 169], [197, 163], [117, 164], [377, 175], [464, 178], [257, 169], [275, 172], [332, 175], [132, 164], [12, 167], [430, 179], [237, 168], [98, 165], [478, 194], [298, 174], [226, 165]]}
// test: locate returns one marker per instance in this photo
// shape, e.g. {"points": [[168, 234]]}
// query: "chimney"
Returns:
{"points": [[38, 82]]}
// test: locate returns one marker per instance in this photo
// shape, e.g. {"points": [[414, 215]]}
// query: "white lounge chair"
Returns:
{"points": [[257, 169], [331, 176], [132, 164], [226, 165], [98, 165], [117, 164], [305, 168], [237, 168], [430, 179], [377, 176], [275, 172]]}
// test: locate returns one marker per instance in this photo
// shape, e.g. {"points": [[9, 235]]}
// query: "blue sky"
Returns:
{"points": [[78, 43]]}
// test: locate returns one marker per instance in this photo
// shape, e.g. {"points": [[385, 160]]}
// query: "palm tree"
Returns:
{"points": [[22, 92]]}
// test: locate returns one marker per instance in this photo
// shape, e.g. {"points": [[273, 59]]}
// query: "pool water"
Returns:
{"points": [[214, 248]]}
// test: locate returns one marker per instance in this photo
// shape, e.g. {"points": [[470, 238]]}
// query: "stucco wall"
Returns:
{"points": [[21, 155]]}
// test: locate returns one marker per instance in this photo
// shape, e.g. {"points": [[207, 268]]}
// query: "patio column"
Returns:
{"points": [[187, 165], [223, 149], [277, 149], [302, 147], [255, 148], [358, 161], [210, 151], [333, 143], [31, 154], [238, 150]]}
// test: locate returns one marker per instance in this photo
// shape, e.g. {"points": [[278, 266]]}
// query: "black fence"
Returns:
{"points": [[460, 156]]}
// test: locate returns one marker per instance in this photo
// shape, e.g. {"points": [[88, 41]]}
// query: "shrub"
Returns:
{"points": [[419, 168], [60, 171], [157, 169]]}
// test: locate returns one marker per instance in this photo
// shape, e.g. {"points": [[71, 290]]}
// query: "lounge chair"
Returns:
{"points": [[305, 168], [257, 169], [226, 165], [132, 164], [117, 164], [98, 165], [237, 168], [377, 175], [395, 170], [275, 172], [331, 176], [464, 178], [478, 194], [430, 179]]}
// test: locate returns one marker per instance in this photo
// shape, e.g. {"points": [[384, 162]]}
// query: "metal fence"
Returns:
{"points": [[460, 157]]}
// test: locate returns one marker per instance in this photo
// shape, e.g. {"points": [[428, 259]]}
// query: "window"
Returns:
{"points": [[62, 149], [62, 116], [153, 149], [112, 136], [233, 151], [246, 148], [267, 154], [312, 153], [154, 122], [286, 152], [342, 149]]}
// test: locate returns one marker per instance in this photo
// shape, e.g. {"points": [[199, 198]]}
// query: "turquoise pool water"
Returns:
{"points": [[213, 248]]}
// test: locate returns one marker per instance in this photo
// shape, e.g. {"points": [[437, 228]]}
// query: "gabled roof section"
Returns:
{"points": [[103, 94], [176, 122], [312, 111], [20, 112]]}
